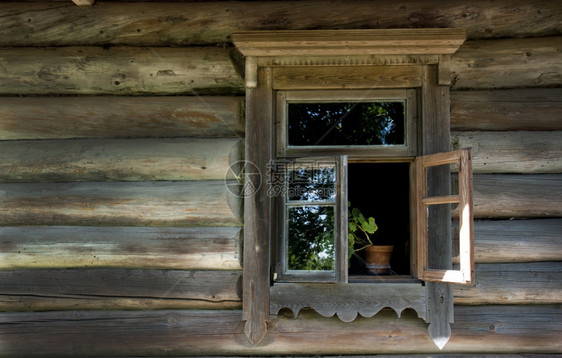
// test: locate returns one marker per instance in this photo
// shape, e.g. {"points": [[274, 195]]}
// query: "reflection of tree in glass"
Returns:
{"points": [[316, 183], [374, 123], [311, 238]]}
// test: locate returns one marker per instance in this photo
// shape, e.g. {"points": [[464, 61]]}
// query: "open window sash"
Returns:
{"points": [[313, 232], [431, 200]]}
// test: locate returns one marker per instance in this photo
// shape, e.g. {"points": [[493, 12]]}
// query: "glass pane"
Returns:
{"points": [[346, 123], [439, 181], [311, 238], [455, 242], [312, 182], [439, 238]]}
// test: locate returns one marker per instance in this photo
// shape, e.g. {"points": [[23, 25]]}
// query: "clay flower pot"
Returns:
{"points": [[377, 259]]}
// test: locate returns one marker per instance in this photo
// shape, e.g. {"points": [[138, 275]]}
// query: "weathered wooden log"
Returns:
{"points": [[39, 290], [55, 24], [201, 248], [120, 117], [517, 240], [217, 248], [128, 70], [517, 196], [212, 203], [458, 355], [117, 70], [531, 109], [195, 203], [536, 283], [477, 329], [119, 159], [534, 62], [521, 283], [512, 152]]}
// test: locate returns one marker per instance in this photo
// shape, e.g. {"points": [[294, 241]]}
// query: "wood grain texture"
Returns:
{"points": [[517, 240], [477, 329], [529, 109], [520, 283], [117, 70], [524, 152], [201, 203], [199, 248], [119, 159], [435, 137], [294, 78], [517, 196], [105, 289], [348, 301], [120, 117], [509, 63], [257, 207], [182, 24], [435, 41]]}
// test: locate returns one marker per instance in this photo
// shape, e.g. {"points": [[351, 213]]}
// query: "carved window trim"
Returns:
{"points": [[419, 58]]}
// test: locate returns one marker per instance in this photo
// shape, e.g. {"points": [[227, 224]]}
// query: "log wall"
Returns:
{"points": [[120, 223]]}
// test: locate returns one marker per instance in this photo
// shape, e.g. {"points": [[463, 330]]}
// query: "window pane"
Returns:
{"points": [[439, 181], [346, 123], [311, 238], [439, 231], [312, 182]]}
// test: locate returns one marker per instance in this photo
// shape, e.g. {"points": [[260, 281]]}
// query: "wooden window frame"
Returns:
{"points": [[285, 97], [339, 274], [335, 60], [465, 273]]}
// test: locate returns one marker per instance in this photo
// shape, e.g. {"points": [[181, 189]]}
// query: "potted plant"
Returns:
{"points": [[377, 257]]}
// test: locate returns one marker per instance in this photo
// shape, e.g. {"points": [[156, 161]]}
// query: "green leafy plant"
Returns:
{"points": [[359, 229]]}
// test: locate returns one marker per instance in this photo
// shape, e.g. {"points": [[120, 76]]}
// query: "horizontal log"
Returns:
{"points": [[517, 240], [218, 248], [477, 329], [118, 70], [531, 109], [39, 290], [201, 248], [473, 355], [55, 24], [211, 203], [120, 117], [128, 70], [512, 152], [521, 283], [517, 196], [196, 203], [510, 63], [118, 159]]}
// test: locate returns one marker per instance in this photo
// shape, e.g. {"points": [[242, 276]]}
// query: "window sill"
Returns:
{"points": [[383, 279]]}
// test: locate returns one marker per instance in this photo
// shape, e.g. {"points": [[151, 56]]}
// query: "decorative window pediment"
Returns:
{"points": [[325, 72]]}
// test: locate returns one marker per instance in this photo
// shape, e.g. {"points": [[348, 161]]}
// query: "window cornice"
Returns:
{"points": [[348, 48], [443, 41]]}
